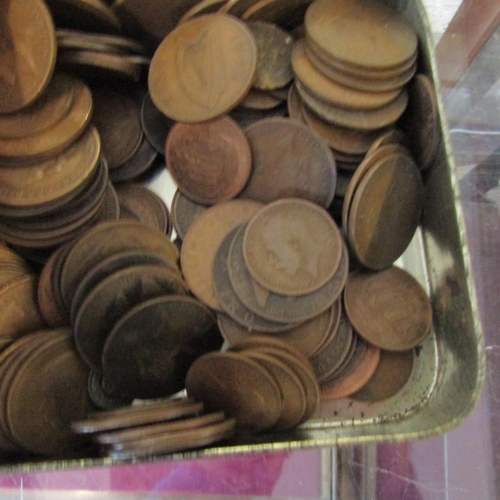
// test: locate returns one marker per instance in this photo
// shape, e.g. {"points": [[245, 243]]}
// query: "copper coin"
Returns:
{"points": [[274, 50], [118, 121], [354, 355], [64, 44], [367, 34], [286, 13], [353, 379], [292, 247], [229, 301], [120, 43], [238, 386], [294, 105], [394, 136], [142, 160], [259, 99], [28, 53], [184, 212], [392, 373], [245, 117], [145, 205], [88, 15], [291, 388], [288, 160], [150, 349], [203, 240], [385, 211], [99, 397], [333, 352], [281, 308], [112, 298], [202, 7], [215, 57], [236, 7], [110, 210], [61, 254], [209, 161], [155, 124], [396, 312]]}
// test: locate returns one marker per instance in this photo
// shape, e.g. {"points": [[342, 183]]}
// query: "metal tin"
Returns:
{"points": [[449, 368]]}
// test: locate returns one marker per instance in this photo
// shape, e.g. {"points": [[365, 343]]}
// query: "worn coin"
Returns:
{"points": [[259, 99], [184, 212], [286, 13], [155, 124], [120, 43], [202, 7], [99, 397]]}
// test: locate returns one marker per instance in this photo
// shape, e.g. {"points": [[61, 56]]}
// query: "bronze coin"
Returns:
{"points": [[120, 43], [274, 51], [353, 379], [155, 124], [394, 136], [354, 355], [392, 373], [396, 312], [229, 301], [203, 240], [292, 247], [215, 57], [118, 121], [291, 388], [99, 397], [150, 349], [202, 7], [112, 298], [110, 210], [184, 212], [288, 160], [105, 240], [286, 13], [245, 117], [68, 44], [209, 161], [366, 34], [142, 160], [28, 53], [294, 105], [61, 253], [281, 308], [236, 7], [385, 211], [238, 386], [259, 99]]}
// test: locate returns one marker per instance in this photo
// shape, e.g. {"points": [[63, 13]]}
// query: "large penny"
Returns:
{"points": [[215, 58], [209, 161], [149, 351], [184, 212], [361, 33], [203, 240], [28, 53], [238, 386], [288, 160], [389, 308], [292, 247], [385, 211]]}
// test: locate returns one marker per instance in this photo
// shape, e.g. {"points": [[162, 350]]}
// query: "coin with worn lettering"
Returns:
{"points": [[389, 308], [155, 124], [215, 59], [288, 160], [150, 350], [28, 53], [184, 212], [209, 161]]}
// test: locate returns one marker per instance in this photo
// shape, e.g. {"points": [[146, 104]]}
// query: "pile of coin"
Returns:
{"points": [[155, 427]]}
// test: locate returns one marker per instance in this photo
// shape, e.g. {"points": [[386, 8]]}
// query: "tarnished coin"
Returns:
{"points": [[118, 121], [259, 99], [209, 161], [202, 7], [288, 160], [142, 160], [236, 7], [392, 374], [99, 397], [394, 136], [150, 350], [294, 105], [203, 240], [245, 117], [238, 386], [215, 59], [119, 43], [286, 13], [389, 308], [155, 124], [28, 53], [184, 212], [292, 247], [274, 51]]}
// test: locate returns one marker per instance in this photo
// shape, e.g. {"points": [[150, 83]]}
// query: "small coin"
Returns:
{"points": [[210, 161], [389, 308], [215, 57], [155, 124], [184, 212], [238, 386]]}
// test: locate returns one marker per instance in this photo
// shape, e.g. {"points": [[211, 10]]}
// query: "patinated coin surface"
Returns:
{"points": [[215, 58], [142, 160], [292, 247], [389, 308], [184, 212]]}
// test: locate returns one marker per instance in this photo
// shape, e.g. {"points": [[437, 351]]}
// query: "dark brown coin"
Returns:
{"points": [[110, 210], [245, 117], [274, 51], [112, 298], [385, 211], [238, 386], [288, 160], [281, 308], [389, 308], [142, 160], [209, 161], [155, 124], [149, 351], [392, 374], [286, 13], [99, 397], [260, 100], [184, 212], [294, 105], [28, 53]]}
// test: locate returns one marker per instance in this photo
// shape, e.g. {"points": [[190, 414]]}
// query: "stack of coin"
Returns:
{"points": [[264, 384], [155, 428], [43, 385]]}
